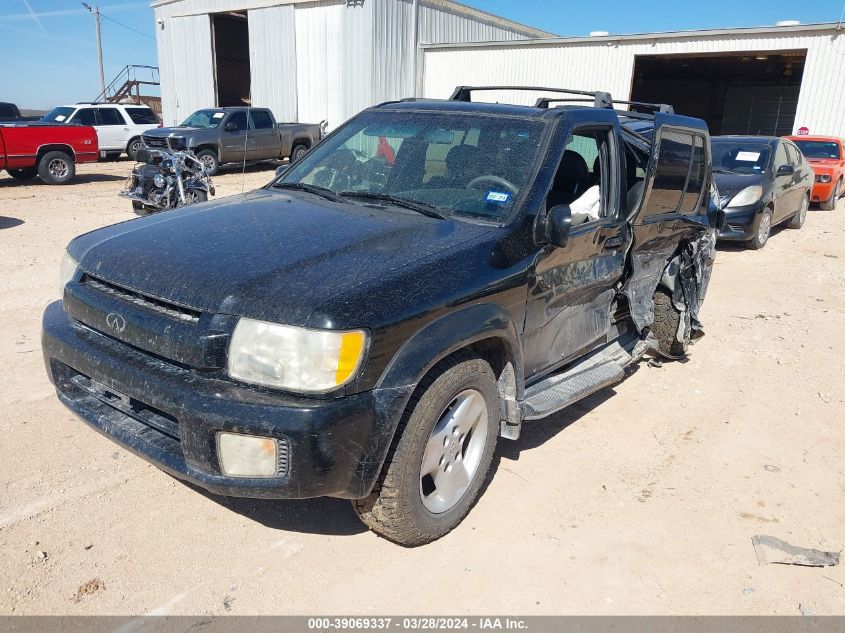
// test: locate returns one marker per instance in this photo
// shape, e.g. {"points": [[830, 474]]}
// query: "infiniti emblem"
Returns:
{"points": [[116, 322]]}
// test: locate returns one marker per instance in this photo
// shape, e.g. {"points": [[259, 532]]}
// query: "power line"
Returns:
{"points": [[103, 15]]}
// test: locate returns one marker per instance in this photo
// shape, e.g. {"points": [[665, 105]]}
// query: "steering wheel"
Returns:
{"points": [[495, 180]]}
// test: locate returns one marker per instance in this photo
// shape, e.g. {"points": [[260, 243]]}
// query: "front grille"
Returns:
{"points": [[75, 384], [152, 141], [158, 306]]}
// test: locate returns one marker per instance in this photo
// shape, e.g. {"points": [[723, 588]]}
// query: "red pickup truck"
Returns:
{"points": [[28, 150]]}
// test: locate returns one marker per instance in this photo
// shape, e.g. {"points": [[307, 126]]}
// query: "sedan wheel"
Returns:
{"points": [[453, 452], [764, 229]]}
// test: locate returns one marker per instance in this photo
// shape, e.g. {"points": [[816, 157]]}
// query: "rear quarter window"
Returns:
{"points": [[142, 116], [262, 120]]}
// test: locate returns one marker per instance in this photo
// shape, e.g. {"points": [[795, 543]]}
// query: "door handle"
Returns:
{"points": [[614, 242]]}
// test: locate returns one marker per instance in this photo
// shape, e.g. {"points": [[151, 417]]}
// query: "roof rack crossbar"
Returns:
{"points": [[600, 99], [545, 102]]}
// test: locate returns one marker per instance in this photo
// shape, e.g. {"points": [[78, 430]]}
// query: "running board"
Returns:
{"points": [[604, 367]]}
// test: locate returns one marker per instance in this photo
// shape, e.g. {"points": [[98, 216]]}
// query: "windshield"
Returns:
{"points": [[739, 158], [819, 149], [205, 118], [58, 115], [466, 164]]}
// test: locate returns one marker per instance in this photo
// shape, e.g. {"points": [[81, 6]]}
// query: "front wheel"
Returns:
{"points": [[25, 173], [56, 168], [762, 230], [209, 160], [194, 196], [830, 203], [665, 327], [440, 456]]}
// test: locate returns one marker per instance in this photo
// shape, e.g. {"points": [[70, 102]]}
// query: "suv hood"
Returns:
{"points": [[268, 255]]}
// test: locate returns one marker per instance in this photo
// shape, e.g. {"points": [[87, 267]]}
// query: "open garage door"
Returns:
{"points": [[742, 93], [231, 58]]}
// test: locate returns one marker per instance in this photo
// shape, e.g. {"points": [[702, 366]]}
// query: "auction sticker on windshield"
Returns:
{"points": [[750, 157], [498, 197]]}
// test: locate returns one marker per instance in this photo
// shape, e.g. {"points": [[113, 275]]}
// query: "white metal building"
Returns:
{"points": [[772, 80], [306, 60]]}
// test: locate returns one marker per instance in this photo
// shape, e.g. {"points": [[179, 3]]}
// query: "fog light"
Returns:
{"points": [[249, 455]]}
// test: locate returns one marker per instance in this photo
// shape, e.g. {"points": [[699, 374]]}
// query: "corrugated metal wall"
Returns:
{"points": [[272, 55], [317, 60], [605, 64]]}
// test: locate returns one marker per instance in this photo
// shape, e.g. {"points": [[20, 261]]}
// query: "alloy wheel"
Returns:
{"points": [[765, 228], [58, 168], [453, 452]]}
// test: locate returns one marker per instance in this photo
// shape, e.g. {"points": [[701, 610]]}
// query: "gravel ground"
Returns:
{"points": [[641, 499]]}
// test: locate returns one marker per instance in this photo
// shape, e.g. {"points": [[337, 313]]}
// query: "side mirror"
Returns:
{"points": [[558, 224], [281, 169], [231, 126], [786, 170]]}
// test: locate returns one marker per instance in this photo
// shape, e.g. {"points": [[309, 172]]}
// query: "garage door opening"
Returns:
{"points": [[231, 58], [746, 93]]}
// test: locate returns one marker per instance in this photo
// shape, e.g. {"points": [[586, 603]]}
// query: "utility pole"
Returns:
{"points": [[95, 11]]}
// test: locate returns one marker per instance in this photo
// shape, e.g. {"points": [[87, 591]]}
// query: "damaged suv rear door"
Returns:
{"points": [[673, 226]]}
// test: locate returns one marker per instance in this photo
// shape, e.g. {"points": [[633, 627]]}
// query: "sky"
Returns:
{"points": [[48, 53]]}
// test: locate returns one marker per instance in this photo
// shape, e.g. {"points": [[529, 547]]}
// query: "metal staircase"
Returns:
{"points": [[127, 86]]}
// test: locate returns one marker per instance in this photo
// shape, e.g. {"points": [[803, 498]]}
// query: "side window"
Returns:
{"points": [[84, 116], [239, 119], [794, 155], [679, 175], [781, 157], [142, 116], [261, 120], [580, 180], [698, 167], [110, 116]]}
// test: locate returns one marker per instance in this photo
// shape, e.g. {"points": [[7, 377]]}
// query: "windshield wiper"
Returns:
{"points": [[323, 192], [420, 207]]}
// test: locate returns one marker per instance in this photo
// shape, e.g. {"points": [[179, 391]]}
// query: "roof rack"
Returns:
{"points": [[94, 103], [600, 99]]}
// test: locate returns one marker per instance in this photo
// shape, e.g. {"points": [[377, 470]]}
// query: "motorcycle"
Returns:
{"points": [[166, 179]]}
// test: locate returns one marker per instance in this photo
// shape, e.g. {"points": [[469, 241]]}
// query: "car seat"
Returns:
{"points": [[571, 180]]}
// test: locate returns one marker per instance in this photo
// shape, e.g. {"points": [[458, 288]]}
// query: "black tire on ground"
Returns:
{"points": [[395, 509], [667, 319], [25, 173], [830, 203], [797, 220], [132, 148], [56, 168], [195, 196], [141, 209], [761, 238], [212, 163], [299, 150]]}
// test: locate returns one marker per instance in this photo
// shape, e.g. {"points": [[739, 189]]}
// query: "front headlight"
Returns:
{"points": [[823, 178], [294, 358], [67, 269], [749, 195]]}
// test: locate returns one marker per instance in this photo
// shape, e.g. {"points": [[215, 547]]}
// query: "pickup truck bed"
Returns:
{"points": [[50, 151]]}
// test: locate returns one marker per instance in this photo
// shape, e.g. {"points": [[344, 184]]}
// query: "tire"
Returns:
{"points": [[209, 158], [830, 203], [299, 150], [407, 506], [132, 148], [195, 196], [667, 320], [56, 168], [797, 220], [25, 173], [762, 230]]}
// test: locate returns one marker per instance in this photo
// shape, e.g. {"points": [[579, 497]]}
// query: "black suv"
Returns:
{"points": [[428, 278]]}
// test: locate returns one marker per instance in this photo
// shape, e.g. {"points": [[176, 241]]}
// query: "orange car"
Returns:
{"points": [[827, 158]]}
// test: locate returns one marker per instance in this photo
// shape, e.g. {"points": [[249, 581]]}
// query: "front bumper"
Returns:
{"points": [[822, 191], [739, 223], [170, 415]]}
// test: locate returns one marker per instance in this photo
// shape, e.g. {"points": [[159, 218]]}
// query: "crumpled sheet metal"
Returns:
{"points": [[771, 550], [685, 270]]}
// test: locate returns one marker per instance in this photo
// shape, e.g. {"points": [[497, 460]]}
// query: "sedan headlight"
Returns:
{"points": [[294, 358], [67, 269], [749, 195]]}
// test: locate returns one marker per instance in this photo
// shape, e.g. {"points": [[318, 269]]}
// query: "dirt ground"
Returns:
{"points": [[642, 499]]}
